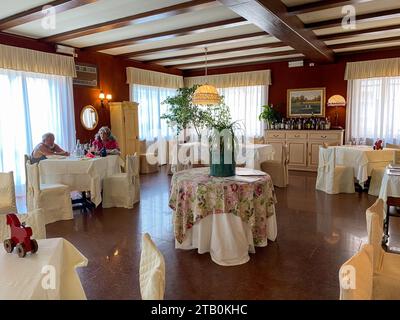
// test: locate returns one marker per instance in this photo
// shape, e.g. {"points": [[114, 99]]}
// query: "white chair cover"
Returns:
{"points": [[386, 264], [33, 219], [123, 189], [7, 193], [331, 178], [278, 169], [376, 181], [53, 199], [356, 276], [152, 271]]}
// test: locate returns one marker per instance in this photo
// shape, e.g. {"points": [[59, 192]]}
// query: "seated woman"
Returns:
{"points": [[104, 139], [46, 148]]}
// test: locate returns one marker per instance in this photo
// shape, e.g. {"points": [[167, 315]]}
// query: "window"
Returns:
{"points": [[151, 109], [245, 106], [374, 109], [32, 104]]}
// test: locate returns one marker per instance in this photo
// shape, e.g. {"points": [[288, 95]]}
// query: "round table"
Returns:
{"points": [[226, 216]]}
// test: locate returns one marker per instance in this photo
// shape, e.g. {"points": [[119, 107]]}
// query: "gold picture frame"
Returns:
{"points": [[306, 102]]}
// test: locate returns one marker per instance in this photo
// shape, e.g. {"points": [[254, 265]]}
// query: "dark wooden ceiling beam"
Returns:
{"points": [[139, 18], [170, 34], [368, 17], [211, 53], [243, 57], [184, 46], [348, 34], [272, 17], [365, 42], [321, 5], [36, 13]]}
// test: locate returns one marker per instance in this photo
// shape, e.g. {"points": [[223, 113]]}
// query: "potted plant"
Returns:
{"points": [[269, 114], [222, 140], [182, 114]]}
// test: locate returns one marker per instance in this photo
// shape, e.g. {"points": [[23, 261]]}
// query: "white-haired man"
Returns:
{"points": [[46, 148]]}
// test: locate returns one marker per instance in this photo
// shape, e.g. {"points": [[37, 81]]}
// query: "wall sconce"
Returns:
{"points": [[103, 97]]}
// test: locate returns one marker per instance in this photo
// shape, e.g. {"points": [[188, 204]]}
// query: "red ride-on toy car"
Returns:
{"points": [[20, 237]]}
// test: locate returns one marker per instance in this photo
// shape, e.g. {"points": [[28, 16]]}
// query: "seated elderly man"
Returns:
{"points": [[46, 148]]}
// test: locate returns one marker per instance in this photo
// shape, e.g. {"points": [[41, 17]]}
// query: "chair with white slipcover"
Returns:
{"points": [[278, 169], [333, 179], [152, 270], [53, 199], [386, 264], [123, 189], [7, 193]]}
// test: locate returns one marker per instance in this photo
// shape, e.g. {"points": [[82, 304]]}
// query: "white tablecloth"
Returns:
{"points": [[251, 154], [390, 186], [80, 174], [363, 159], [226, 237], [29, 278]]}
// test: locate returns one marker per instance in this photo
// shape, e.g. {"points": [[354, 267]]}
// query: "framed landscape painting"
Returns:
{"points": [[306, 102]]}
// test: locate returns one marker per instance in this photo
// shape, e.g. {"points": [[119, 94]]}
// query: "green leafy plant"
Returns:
{"points": [[269, 114], [182, 113]]}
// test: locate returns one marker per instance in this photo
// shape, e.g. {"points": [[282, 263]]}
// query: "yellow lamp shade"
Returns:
{"points": [[101, 95], [206, 95], [336, 101], [109, 97]]}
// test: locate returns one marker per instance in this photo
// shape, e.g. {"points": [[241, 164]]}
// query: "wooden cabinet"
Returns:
{"points": [[125, 126], [303, 145]]}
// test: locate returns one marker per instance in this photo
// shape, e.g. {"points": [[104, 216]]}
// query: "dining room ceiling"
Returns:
{"points": [[174, 33]]}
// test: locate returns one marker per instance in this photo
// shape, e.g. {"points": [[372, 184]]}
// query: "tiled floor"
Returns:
{"points": [[316, 234]]}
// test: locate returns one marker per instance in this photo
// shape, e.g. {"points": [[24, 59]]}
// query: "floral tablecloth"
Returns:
{"points": [[194, 194]]}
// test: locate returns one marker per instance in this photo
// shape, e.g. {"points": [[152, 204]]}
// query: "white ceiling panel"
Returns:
{"points": [[223, 55], [369, 46], [243, 61], [171, 23], [9, 8], [354, 39], [361, 8], [94, 13], [360, 26], [186, 39]]}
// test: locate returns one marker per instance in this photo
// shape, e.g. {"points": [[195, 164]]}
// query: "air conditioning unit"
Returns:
{"points": [[66, 50], [294, 64]]}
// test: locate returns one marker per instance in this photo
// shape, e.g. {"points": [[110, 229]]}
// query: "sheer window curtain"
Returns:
{"points": [[32, 104], [374, 109], [245, 106], [151, 127]]}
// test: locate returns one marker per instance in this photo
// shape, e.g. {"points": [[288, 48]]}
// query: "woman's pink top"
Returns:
{"points": [[109, 144]]}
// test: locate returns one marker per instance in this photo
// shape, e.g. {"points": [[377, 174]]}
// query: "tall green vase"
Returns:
{"points": [[222, 154]]}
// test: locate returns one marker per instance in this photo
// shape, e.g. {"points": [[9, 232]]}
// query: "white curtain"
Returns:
{"points": [[32, 104], [245, 106], [151, 108], [374, 109]]}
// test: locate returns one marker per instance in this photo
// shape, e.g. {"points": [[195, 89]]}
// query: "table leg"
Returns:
{"points": [[84, 203]]}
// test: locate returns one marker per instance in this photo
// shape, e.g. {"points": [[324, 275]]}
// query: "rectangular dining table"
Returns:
{"points": [[49, 274], [363, 159], [80, 174]]}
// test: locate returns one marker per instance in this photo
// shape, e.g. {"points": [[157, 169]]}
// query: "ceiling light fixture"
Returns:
{"points": [[206, 94]]}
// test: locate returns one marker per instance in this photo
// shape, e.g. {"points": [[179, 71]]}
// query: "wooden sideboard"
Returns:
{"points": [[303, 145]]}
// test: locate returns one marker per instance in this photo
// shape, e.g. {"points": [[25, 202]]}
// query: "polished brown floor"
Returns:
{"points": [[316, 234]]}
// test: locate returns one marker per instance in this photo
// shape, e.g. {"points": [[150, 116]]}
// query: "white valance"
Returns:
{"points": [[153, 78], [373, 69], [239, 79], [21, 59]]}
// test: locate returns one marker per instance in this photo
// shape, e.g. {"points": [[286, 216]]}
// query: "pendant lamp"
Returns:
{"points": [[206, 94]]}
